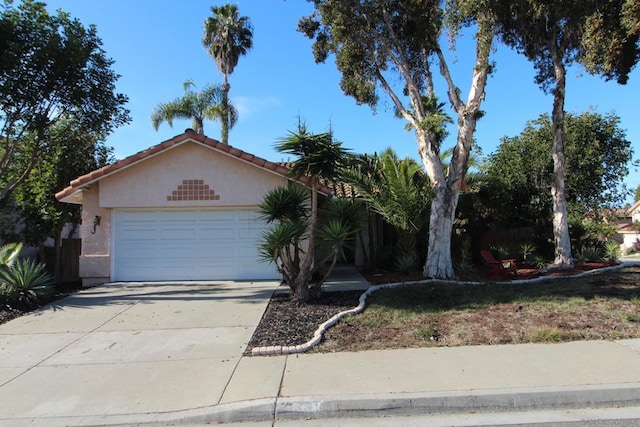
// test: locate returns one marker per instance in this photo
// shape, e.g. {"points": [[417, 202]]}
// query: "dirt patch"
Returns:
{"points": [[604, 306]]}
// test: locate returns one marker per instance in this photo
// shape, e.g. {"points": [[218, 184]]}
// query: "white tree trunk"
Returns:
{"points": [[439, 263], [447, 188], [563, 258]]}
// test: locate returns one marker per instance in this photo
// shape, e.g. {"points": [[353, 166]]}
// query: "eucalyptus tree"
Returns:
{"points": [[601, 35], [227, 36], [375, 42], [520, 172], [52, 67], [194, 105]]}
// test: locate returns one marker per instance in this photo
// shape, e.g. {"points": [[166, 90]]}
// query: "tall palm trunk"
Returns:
{"points": [[225, 104], [561, 237]]}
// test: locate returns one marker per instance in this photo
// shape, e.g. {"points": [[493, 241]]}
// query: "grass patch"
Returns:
{"points": [[546, 334]]}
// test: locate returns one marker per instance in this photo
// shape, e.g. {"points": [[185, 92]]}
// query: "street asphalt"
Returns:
{"points": [[171, 354]]}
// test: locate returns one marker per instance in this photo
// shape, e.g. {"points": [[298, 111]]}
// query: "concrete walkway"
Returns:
{"points": [[170, 354], [127, 349]]}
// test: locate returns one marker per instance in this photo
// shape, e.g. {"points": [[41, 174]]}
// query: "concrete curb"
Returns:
{"points": [[458, 402], [317, 336], [361, 406]]}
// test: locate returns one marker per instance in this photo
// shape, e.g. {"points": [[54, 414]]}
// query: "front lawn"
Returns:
{"points": [[604, 306]]}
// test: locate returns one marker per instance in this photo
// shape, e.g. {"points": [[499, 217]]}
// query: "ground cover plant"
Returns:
{"points": [[604, 306]]}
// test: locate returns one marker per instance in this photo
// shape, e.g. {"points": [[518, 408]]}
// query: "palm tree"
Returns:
{"points": [[227, 36], [194, 105], [317, 156], [397, 189]]}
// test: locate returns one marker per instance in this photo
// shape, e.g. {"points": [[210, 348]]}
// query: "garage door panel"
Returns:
{"points": [[217, 233], [189, 245]]}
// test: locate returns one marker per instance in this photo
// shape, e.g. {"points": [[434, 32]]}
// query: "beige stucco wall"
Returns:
{"points": [[95, 261], [148, 183]]}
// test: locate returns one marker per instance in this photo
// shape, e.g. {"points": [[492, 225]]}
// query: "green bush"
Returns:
{"points": [[501, 252], [612, 251], [527, 249], [406, 263], [25, 284], [538, 262], [589, 254]]}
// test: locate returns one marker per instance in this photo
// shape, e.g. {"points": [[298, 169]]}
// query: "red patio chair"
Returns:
{"points": [[498, 268]]}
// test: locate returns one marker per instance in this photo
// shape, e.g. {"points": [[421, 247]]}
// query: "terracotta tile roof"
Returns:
{"points": [[339, 189], [83, 181], [629, 228]]}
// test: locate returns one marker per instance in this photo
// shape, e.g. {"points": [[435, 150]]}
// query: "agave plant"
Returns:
{"points": [[25, 284]]}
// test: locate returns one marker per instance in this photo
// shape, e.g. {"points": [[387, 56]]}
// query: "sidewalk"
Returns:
{"points": [[506, 378], [414, 381]]}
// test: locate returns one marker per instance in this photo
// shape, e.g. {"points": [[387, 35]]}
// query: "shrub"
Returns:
{"points": [[406, 263], [589, 254], [501, 252], [527, 249], [463, 267], [25, 284], [635, 248], [538, 262], [612, 251]]}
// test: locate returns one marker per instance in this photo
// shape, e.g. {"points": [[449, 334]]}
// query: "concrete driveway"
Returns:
{"points": [[127, 348]]}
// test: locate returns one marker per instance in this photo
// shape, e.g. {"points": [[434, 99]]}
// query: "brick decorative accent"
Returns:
{"points": [[192, 189]]}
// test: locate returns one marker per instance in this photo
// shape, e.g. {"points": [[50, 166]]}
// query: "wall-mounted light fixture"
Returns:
{"points": [[96, 222]]}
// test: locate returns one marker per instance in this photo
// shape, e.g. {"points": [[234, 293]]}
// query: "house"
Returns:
{"points": [[185, 209], [628, 233]]}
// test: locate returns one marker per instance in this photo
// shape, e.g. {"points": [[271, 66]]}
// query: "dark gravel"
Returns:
{"points": [[286, 322], [8, 313]]}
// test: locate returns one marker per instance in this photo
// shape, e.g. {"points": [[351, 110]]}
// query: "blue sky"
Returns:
{"points": [[157, 45]]}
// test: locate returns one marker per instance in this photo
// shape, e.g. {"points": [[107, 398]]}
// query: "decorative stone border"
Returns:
{"points": [[317, 336]]}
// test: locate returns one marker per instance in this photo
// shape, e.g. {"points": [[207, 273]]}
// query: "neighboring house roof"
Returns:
{"points": [[73, 193], [628, 229], [633, 208]]}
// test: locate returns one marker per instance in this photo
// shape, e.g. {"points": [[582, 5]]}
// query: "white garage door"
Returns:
{"points": [[188, 245]]}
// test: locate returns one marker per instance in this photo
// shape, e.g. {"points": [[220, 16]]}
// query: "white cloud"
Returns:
{"points": [[247, 106]]}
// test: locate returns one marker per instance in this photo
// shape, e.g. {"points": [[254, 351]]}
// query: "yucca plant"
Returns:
{"points": [[25, 284]]}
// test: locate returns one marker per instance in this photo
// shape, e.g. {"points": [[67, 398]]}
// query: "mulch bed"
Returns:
{"points": [[286, 322]]}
